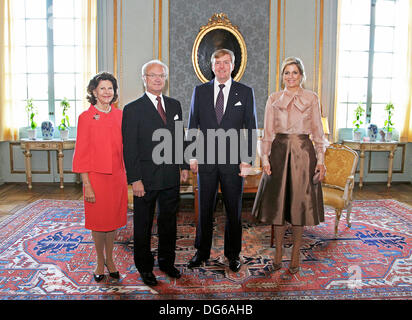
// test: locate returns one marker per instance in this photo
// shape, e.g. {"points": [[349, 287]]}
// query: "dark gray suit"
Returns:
{"points": [[161, 182]]}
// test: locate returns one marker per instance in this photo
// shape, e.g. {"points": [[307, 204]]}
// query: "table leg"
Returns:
{"points": [[60, 155], [361, 168], [390, 166], [27, 159]]}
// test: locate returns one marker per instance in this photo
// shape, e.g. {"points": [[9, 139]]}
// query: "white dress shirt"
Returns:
{"points": [[225, 90], [153, 97]]}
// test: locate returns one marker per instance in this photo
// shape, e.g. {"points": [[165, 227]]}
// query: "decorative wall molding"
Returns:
{"points": [[105, 35]]}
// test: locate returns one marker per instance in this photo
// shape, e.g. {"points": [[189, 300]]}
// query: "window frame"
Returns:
{"points": [[367, 101], [50, 46]]}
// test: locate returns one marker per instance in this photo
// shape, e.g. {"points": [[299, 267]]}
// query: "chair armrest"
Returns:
{"points": [[347, 193]]}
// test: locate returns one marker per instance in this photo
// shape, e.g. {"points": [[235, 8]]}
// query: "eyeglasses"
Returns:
{"points": [[153, 76]]}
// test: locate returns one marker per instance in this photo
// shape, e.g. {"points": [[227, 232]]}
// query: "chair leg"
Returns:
{"points": [[348, 212], [337, 218]]}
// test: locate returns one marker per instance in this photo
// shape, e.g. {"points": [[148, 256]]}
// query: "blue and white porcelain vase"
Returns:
{"points": [[372, 132], [47, 130]]}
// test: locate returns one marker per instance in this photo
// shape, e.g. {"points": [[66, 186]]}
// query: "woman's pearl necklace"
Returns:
{"points": [[104, 111]]}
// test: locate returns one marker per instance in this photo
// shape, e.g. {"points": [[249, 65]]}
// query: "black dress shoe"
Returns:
{"points": [[196, 261], [148, 278], [171, 271], [98, 277], [234, 264], [115, 275]]}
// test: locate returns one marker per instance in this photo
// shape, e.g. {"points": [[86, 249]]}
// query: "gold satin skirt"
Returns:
{"points": [[288, 194]]}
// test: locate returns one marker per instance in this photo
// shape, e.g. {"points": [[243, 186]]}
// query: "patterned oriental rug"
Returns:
{"points": [[46, 253]]}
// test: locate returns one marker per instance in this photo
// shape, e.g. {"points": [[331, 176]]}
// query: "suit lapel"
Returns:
{"points": [[168, 110], [231, 100], [152, 111], [210, 94]]}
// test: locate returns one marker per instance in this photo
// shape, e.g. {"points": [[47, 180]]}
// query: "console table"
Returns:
{"points": [[379, 146], [45, 145]]}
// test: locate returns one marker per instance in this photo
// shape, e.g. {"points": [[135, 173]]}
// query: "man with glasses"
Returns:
{"points": [[154, 185]]}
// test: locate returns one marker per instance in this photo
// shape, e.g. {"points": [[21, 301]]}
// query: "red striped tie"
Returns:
{"points": [[160, 109]]}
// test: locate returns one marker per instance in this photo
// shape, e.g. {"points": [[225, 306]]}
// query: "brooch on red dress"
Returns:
{"points": [[96, 116]]}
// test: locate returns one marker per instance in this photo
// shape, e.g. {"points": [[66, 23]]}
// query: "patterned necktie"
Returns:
{"points": [[160, 109], [219, 104]]}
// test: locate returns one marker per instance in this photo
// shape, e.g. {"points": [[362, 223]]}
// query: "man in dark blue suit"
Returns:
{"points": [[226, 106]]}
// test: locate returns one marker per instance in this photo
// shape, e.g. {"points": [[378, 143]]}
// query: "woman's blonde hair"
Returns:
{"points": [[299, 64]]}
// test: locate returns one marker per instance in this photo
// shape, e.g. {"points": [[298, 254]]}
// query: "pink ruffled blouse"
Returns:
{"points": [[294, 113]]}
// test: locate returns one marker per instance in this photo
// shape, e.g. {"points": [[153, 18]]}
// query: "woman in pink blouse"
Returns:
{"points": [[293, 162]]}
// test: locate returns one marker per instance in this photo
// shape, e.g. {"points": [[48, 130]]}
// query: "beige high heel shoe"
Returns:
{"points": [[294, 270], [277, 266]]}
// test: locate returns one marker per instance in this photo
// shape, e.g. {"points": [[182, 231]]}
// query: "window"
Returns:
{"points": [[372, 55], [49, 51]]}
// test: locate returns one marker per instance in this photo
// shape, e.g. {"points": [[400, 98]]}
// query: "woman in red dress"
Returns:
{"points": [[98, 157]]}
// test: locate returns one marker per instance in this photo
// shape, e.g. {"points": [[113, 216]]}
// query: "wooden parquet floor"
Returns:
{"points": [[14, 196]]}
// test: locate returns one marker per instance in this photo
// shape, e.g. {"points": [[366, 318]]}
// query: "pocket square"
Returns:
{"points": [[238, 104], [176, 117]]}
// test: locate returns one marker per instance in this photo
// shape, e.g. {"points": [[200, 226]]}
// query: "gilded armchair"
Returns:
{"points": [[337, 187]]}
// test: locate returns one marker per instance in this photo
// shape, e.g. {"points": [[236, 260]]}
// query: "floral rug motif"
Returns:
{"points": [[46, 253]]}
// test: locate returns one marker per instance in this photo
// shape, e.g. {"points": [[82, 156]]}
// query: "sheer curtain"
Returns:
{"points": [[8, 132], [89, 38], [406, 133]]}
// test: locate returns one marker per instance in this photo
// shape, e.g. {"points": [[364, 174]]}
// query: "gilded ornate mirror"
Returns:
{"points": [[219, 33]]}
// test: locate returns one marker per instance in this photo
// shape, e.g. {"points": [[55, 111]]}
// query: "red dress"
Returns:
{"points": [[99, 152]]}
